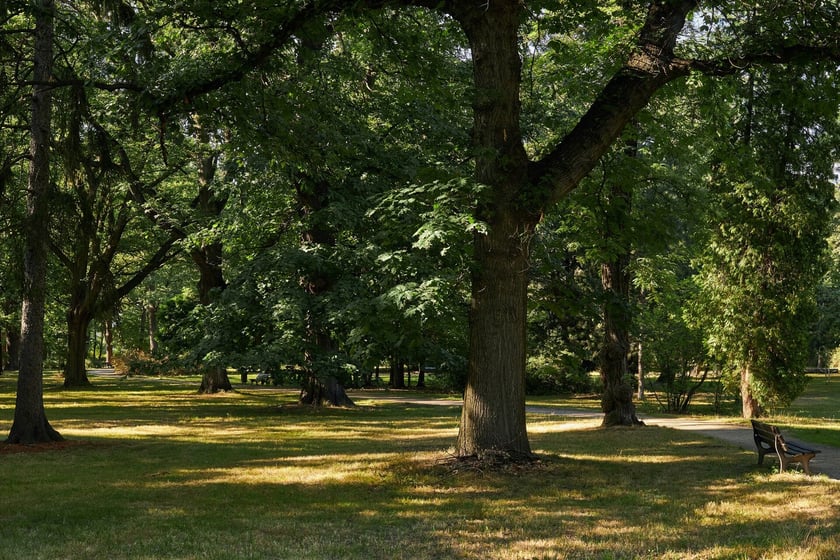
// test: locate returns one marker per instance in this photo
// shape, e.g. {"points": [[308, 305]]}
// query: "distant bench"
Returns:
{"points": [[768, 439]]}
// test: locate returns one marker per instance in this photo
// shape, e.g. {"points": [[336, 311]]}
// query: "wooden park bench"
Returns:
{"points": [[769, 439]]}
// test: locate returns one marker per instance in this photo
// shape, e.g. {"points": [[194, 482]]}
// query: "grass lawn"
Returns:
{"points": [[154, 470]]}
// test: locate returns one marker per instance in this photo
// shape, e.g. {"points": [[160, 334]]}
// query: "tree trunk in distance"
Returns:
{"points": [[750, 407], [109, 343], [617, 399], [78, 324], [397, 374], [13, 347], [208, 259], [30, 424], [151, 326], [640, 394], [328, 390], [215, 380]]}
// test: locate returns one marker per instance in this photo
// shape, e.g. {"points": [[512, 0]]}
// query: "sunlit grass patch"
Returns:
{"points": [[162, 472]]}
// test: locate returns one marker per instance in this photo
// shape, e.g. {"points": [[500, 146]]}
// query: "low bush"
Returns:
{"points": [[544, 375]]}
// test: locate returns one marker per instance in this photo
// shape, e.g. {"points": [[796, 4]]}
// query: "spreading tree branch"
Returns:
{"points": [[782, 54], [650, 67]]}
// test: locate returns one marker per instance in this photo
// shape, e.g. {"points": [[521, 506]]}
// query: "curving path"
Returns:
{"points": [[736, 433], [740, 434]]}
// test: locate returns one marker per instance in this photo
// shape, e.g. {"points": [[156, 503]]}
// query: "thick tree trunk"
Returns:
{"points": [[214, 380], [30, 424], [75, 370], [493, 416], [319, 391], [208, 260]]}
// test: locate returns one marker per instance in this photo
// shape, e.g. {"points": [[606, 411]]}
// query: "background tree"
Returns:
{"points": [[774, 200]]}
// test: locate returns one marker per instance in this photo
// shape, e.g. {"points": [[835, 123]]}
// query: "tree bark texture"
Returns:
{"points": [[30, 424], [493, 416]]}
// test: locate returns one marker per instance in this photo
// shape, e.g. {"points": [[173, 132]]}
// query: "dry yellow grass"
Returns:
{"points": [[166, 473]]}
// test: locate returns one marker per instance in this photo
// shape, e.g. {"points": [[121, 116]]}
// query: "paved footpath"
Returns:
{"points": [[827, 462]]}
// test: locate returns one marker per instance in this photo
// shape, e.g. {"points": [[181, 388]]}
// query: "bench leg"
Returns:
{"points": [[782, 462], [806, 462]]}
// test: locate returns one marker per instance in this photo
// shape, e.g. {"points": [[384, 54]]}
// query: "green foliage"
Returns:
{"points": [[561, 375], [766, 254]]}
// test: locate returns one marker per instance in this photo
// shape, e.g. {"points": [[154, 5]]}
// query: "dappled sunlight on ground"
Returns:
{"points": [[266, 478]]}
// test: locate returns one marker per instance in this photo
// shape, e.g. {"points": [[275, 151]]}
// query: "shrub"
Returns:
{"points": [[544, 375], [140, 363]]}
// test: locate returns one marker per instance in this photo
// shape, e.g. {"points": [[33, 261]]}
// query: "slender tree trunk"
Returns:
{"points": [[30, 424], [151, 326], [13, 347], [493, 415], [617, 398], [640, 374], [750, 407], [108, 335]]}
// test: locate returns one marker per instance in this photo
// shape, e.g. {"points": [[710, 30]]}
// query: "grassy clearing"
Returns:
{"points": [[157, 471]]}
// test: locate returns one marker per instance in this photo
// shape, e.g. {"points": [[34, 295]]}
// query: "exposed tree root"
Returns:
{"points": [[494, 461]]}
